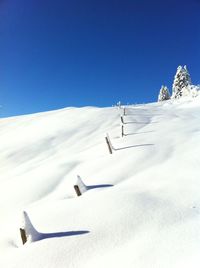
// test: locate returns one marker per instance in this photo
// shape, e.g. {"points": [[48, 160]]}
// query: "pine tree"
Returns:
{"points": [[163, 94], [181, 84]]}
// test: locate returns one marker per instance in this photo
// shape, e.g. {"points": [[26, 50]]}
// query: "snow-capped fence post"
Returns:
{"points": [[124, 111], [23, 235], [123, 131], [122, 119], [108, 143], [80, 187], [119, 105], [28, 232], [77, 190]]}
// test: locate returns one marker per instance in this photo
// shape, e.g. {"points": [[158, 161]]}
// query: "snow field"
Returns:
{"points": [[141, 207]]}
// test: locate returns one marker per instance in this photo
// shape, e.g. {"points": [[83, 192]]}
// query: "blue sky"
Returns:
{"points": [[62, 53]]}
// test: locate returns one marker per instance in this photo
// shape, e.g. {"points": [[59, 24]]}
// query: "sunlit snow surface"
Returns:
{"points": [[140, 206]]}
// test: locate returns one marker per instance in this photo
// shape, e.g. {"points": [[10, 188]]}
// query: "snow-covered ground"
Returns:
{"points": [[141, 205]]}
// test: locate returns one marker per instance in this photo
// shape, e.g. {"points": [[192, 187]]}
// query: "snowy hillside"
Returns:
{"points": [[141, 207]]}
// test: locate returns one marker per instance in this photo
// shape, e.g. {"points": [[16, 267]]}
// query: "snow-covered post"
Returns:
{"points": [[123, 131], [77, 190], [122, 126], [23, 235], [124, 111], [80, 186], [108, 143], [28, 232]]}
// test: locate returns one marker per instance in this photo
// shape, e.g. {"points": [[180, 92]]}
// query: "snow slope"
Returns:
{"points": [[141, 205]]}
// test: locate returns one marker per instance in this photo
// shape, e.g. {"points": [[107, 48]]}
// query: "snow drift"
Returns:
{"points": [[140, 207]]}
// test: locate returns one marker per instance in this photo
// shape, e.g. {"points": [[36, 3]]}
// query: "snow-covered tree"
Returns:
{"points": [[163, 94], [194, 90], [181, 84]]}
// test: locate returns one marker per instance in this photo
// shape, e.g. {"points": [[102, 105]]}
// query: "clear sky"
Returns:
{"points": [[62, 53]]}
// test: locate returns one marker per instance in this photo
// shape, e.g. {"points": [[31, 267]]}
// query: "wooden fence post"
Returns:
{"points": [[123, 134], [108, 143], [124, 111], [23, 235], [77, 190], [109, 146], [122, 119]]}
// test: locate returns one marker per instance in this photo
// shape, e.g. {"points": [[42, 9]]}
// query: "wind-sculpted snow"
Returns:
{"points": [[139, 206]]}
